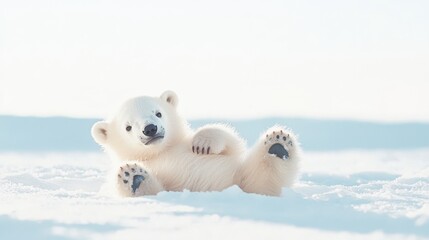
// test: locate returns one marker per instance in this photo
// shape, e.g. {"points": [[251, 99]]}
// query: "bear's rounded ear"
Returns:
{"points": [[170, 97], [99, 132]]}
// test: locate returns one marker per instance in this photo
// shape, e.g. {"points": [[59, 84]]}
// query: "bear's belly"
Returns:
{"points": [[181, 169]]}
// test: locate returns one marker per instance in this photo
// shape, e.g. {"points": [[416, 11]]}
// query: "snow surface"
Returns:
{"points": [[365, 194]]}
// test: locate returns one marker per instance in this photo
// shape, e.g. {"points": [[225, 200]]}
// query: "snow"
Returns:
{"points": [[344, 194]]}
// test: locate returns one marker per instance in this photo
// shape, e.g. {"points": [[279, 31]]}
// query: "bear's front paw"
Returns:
{"points": [[130, 177], [206, 145]]}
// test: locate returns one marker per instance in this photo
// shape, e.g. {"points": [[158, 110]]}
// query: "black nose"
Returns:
{"points": [[150, 130]]}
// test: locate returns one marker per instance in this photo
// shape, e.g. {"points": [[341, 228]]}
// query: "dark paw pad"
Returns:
{"points": [[137, 180], [278, 150]]}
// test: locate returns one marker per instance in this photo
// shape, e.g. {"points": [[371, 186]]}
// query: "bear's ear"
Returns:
{"points": [[99, 132], [170, 97]]}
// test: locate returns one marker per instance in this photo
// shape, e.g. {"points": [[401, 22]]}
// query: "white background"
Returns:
{"points": [[228, 59]]}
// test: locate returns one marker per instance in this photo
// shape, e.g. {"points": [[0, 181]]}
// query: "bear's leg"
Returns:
{"points": [[133, 180], [271, 164]]}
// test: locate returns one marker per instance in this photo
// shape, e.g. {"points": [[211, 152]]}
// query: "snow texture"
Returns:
{"points": [[366, 194]]}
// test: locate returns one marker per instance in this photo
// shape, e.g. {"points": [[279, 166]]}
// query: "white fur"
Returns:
{"points": [[181, 159], [264, 173]]}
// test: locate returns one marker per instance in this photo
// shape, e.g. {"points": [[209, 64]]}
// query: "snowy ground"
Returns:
{"points": [[341, 194]]}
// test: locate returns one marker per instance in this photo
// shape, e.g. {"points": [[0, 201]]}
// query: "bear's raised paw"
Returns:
{"points": [[280, 143]]}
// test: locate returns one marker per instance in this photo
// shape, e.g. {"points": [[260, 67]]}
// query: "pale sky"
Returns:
{"points": [[362, 59]]}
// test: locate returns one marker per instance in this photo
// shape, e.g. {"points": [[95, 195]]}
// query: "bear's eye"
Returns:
{"points": [[128, 128], [158, 114]]}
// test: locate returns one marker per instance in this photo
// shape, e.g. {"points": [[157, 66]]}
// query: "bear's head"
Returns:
{"points": [[142, 127]]}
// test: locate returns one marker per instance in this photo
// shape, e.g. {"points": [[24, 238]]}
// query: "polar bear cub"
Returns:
{"points": [[160, 152]]}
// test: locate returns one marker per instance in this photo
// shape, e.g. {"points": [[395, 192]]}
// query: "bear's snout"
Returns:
{"points": [[150, 130]]}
